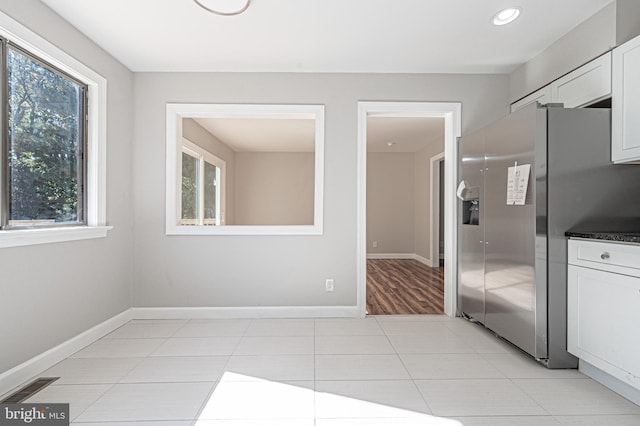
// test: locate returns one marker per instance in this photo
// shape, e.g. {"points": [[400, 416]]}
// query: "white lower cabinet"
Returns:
{"points": [[604, 307]]}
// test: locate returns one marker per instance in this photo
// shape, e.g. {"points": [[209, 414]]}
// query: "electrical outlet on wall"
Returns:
{"points": [[328, 284], [375, 244]]}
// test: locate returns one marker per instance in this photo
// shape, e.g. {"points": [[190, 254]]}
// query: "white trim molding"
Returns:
{"points": [[451, 112], [613, 383], [410, 256], [434, 209], [96, 184], [246, 312], [28, 237], [29, 369], [39, 363]]}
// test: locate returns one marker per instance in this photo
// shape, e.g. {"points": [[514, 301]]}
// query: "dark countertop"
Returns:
{"points": [[622, 230], [626, 237]]}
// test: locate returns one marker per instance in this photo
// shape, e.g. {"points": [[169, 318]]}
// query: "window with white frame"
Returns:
{"points": [[52, 148], [44, 145], [201, 186]]}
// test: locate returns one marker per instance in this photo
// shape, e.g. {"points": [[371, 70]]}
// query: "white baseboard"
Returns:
{"points": [[390, 255], [613, 383], [423, 260], [247, 312], [18, 375], [412, 256], [39, 363]]}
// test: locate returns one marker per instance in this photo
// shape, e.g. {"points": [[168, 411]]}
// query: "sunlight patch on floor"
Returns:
{"points": [[239, 396]]}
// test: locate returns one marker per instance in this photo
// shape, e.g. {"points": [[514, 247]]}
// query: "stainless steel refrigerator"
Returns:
{"points": [[512, 254]]}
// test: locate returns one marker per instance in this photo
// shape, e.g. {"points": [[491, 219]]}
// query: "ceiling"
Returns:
{"points": [[405, 134], [379, 36], [245, 134], [262, 134], [369, 36]]}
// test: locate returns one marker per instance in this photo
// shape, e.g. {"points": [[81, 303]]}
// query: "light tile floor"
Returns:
{"points": [[385, 370]]}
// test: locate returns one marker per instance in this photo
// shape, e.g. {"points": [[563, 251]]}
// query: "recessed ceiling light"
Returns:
{"points": [[391, 143], [506, 16]]}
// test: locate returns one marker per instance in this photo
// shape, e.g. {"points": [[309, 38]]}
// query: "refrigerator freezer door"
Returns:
{"points": [[471, 227], [510, 232]]}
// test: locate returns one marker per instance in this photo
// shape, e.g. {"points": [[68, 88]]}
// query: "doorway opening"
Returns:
{"points": [[437, 208], [396, 200]]}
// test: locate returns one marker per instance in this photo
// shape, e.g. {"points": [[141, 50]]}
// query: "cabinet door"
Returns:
{"points": [[603, 321], [626, 103], [585, 85], [542, 95]]}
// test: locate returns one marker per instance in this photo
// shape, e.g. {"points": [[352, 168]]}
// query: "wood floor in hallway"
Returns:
{"points": [[404, 286]]}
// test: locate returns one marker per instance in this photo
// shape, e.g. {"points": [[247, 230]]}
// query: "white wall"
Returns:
{"points": [[612, 26], [391, 202], [50, 293], [627, 20], [274, 188], [273, 270], [587, 41]]}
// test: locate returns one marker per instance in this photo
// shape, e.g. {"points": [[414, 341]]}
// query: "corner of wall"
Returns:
{"points": [[627, 20], [585, 42]]}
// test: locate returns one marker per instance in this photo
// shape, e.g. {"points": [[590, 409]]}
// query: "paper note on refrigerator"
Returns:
{"points": [[517, 184]]}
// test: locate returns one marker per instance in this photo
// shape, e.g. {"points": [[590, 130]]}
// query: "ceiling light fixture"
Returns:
{"points": [[224, 7], [506, 16], [390, 144]]}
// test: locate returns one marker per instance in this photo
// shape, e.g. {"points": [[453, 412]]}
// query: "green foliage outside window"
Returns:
{"points": [[45, 143], [190, 167]]}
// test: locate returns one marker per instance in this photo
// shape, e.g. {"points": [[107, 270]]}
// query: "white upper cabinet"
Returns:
{"points": [[625, 111], [542, 95], [586, 85], [581, 87]]}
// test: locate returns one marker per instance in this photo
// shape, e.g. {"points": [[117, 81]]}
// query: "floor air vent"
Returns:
{"points": [[29, 390]]}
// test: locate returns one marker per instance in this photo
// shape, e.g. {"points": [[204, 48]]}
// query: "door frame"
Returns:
{"points": [[451, 112], [434, 208]]}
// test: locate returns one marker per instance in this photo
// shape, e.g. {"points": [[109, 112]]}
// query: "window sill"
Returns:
{"points": [[244, 230], [28, 237]]}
